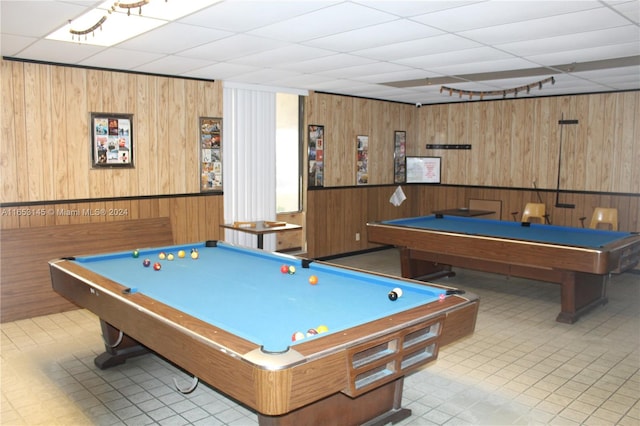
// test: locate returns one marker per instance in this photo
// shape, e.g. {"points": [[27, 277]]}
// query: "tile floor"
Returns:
{"points": [[520, 367]]}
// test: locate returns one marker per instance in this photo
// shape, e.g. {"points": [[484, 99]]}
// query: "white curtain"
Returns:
{"points": [[249, 160]]}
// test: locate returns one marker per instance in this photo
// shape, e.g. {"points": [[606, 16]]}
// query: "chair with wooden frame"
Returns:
{"points": [[603, 216]]}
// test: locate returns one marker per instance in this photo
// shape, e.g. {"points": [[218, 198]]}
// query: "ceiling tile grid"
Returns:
{"points": [[401, 51]]}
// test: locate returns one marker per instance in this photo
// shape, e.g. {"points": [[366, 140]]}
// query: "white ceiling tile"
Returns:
{"points": [[407, 9], [324, 63], [586, 55], [232, 47], [542, 28], [12, 45], [565, 43], [455, 57], [374, 36], [418, 48], [172, 65], [284, 55], [170, 38], [220, 71], [324, 22], [57, 51], [246, 15], [494, 13], [115, 58]]}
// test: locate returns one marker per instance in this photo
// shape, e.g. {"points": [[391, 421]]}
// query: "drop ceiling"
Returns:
{"points": [[402, 51]]}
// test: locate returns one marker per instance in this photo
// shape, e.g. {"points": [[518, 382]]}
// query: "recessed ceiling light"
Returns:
{"points": [[114, 22]]}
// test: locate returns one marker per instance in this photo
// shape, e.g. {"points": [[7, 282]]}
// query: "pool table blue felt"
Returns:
{"points": [[534, 232], [243, 291]]}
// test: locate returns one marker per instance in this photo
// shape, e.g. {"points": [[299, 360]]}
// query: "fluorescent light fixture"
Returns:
{"points": [[110, 23]]}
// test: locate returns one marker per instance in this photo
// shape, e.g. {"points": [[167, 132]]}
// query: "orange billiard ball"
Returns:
{"points": [[313, 280], [181, 254]]}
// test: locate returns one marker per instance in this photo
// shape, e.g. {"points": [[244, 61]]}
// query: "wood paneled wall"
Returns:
{"points": [[514, 142], [46, 150], [193, 217], [344, 119]]}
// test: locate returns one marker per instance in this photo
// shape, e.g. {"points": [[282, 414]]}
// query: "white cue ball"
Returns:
{"points": [[398, 291]]}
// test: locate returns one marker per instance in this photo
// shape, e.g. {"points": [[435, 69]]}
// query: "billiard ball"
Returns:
{"points": [[441, 297], [157, 266], [162, 255], [170, 256], [195, 254], [292, 270], [146, 263], [298, 335], [322, 329], [313, 280], [312, 332], [393, 296], [181, 254], [284, 269], [398, 291], [136, 253]]}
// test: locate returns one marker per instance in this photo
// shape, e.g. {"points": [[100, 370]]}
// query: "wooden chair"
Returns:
{"points": [[604, 216], [533, 211]]}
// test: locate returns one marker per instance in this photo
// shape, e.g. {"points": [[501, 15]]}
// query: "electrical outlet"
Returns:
{"points": [[357, 236]]}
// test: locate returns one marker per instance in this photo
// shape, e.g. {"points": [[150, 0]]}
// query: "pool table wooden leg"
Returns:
{"points": [[580, 293], [417, 268], [116, 352]]}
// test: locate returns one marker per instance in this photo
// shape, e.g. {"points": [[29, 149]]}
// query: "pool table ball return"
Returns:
{"points": [[578, 259], [312, 343]]}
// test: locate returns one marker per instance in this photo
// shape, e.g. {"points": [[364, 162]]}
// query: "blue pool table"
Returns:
{"points": [[229, 315], [578, 259]]}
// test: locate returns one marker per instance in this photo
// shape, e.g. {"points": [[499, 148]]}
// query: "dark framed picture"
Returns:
{"points": [[399, 162], [362, 160], [210, 154], [112, 140], [316, 155], [423, 169]]}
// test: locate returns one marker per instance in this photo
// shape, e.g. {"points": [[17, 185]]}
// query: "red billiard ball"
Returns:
{"points": [[313, 280], [157, 266], [298, 335], [284, 269], [146, 263]]}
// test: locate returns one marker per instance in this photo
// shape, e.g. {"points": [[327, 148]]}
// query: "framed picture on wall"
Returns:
{"points": [[316, 155], [362, 160], [111, 140], [399, 161], [423, 169], [210, 154]]}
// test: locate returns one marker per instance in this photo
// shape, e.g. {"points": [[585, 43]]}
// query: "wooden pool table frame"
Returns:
{"points": [[581, 272], [355, 376]]}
